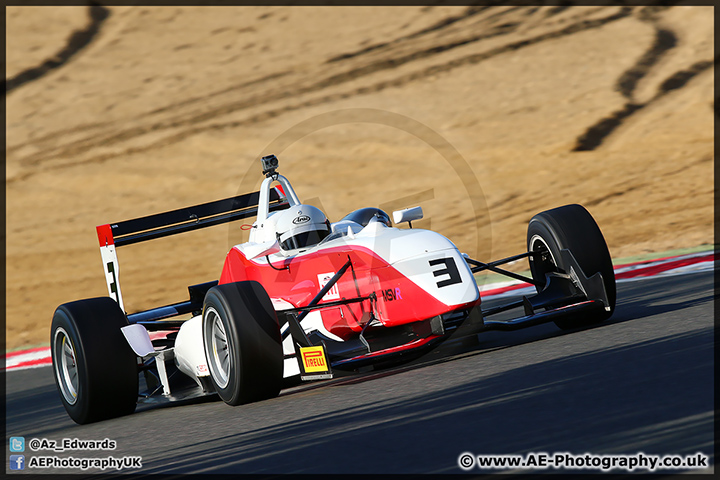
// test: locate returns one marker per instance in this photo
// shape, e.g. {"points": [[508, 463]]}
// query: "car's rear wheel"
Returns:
{"points": [[571, 227], [242, 342], [94, 367]]}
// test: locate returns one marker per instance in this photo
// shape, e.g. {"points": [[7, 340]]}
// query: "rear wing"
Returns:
{"points": [[160, 225]]}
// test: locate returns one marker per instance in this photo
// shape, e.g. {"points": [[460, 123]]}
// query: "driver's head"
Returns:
{"points": [[301, 226]]}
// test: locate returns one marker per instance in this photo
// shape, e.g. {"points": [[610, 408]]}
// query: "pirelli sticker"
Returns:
{"points": [[314, 363]]}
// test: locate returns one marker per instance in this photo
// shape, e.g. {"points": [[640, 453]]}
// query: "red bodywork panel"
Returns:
{"points": [[399, 300]]}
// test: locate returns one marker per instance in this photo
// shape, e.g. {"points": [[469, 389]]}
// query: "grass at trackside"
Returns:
{"points": [[670, 253], [28, 347], [491, 277]]}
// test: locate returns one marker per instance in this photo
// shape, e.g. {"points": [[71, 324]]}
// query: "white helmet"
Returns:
{"points": [[301, 226]]}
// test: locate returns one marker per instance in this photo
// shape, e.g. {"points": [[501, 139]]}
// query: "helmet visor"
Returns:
{"points": [[304, 239]]}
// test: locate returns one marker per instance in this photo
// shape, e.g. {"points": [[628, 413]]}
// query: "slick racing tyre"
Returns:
{"points": [[571, 227], [95, 369], [242, 342]]}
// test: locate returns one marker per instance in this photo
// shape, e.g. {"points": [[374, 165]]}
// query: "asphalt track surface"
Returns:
{"points": [[640, 382]]}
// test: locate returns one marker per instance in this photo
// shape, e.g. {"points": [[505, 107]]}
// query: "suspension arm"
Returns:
{"points": [[493, 267]]}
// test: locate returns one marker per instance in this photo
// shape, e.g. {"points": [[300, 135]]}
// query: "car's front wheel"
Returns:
{"points": [[571, 227], [242, 342]]}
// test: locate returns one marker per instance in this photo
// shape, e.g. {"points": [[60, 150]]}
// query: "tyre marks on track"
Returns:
{"points": [[665, 41], [440, 25], [93, 148], [325, 84], [77, 41]]}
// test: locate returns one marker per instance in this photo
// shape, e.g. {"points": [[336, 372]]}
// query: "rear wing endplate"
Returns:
{"points": [[186, 219]]}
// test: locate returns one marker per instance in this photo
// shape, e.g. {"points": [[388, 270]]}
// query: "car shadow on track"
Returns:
{"points": [[26, 409]]}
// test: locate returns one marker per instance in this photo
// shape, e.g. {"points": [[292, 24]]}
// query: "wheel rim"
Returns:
{"points": [[66, 369], [544, 262], [220, 355]]}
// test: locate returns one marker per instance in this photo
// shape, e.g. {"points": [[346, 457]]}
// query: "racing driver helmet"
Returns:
{"points": [[301, 226]]}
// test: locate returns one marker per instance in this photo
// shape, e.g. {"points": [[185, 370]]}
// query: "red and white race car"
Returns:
{"points": [[305, 297]]}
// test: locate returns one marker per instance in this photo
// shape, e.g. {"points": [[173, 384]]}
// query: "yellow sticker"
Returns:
{"points": [[313, 359]]}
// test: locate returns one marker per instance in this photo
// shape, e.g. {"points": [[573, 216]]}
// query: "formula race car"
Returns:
{"points": [[304, 298]]}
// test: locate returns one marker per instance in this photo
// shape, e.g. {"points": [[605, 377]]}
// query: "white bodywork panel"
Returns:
{"points": [[262, 249], [409, 251], [189, 349], [139, 339]]}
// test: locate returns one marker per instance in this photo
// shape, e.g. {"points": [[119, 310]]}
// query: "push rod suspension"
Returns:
{"points": [[324, 290], [493, 267]]}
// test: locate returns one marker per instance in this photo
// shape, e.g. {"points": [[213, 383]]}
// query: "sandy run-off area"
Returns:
{"points": [[482, 115]]}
